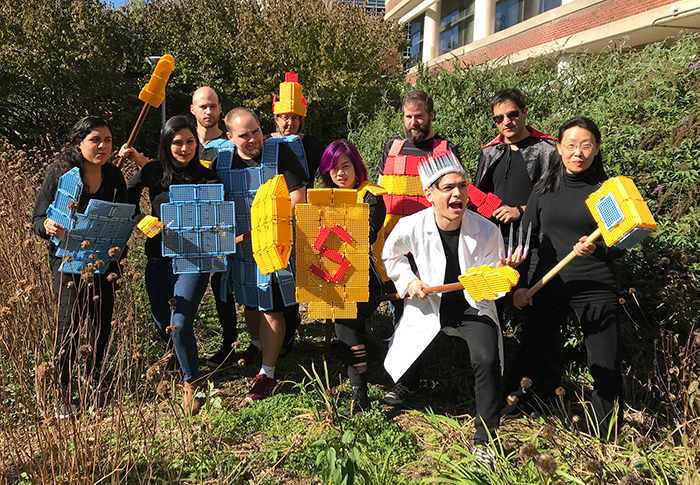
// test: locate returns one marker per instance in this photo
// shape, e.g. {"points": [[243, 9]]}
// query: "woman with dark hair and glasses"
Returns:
{"points": [[342, 167], [587, 286], [177, 164], [89, 149]]}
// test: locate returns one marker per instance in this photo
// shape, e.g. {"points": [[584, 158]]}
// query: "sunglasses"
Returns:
{"points": [[512, 115]]}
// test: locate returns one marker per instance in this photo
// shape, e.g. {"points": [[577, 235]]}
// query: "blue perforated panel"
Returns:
{"points": [[610, 212], [104, 225], [200, 232]]}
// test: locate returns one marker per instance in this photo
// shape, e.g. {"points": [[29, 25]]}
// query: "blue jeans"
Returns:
{"points": [[187, 290]]}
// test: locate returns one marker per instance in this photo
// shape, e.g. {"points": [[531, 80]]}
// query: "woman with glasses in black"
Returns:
{"points": [[587, 286]]}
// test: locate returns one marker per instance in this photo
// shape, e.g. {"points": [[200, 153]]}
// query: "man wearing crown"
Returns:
{"points": [[445, 240]]}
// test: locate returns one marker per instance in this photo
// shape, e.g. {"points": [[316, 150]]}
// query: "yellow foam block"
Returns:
{"points": [[150, 225], [402, 184], [306, 212], [622, 215], [344, 196], [485, 282], [271, 222], [356, 293], [319, 196], [336, 311]]}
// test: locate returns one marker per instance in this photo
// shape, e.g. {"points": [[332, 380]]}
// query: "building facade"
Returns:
{"points": [[478, 31]]}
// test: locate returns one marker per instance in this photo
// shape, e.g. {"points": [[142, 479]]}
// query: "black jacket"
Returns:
{"points": [[535, 150]]}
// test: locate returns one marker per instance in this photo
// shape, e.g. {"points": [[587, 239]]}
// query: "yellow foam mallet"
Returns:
{"points": [[152, 94], [481, 283], [623, 219]]}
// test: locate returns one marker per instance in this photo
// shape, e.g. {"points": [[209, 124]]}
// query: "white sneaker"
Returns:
{"points": [[486, 457], [64, 409], [398, 394]]}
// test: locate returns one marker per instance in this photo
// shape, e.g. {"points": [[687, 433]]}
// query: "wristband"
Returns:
{"points": [[46, 221], [520, 211]]}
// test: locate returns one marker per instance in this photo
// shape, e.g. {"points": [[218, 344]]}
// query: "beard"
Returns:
{"points": [[251, 152], [417, 135]]}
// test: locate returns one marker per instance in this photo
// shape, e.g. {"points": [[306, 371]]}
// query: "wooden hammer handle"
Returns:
{"points": [[428, 290], [135, 130], [554, 271]]}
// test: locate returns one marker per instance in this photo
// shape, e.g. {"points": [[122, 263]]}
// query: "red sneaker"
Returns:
{"points": [[263, 387], [247, 356]]}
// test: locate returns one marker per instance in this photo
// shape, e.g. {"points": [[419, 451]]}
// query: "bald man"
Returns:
{"points": [[207, 110]]}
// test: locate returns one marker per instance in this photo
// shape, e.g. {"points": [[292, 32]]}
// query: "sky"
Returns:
{"points": [[117, 3]]}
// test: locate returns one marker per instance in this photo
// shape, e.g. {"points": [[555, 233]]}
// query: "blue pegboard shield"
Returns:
{"points": [[104, 225], [199, 228], [250, 286]]}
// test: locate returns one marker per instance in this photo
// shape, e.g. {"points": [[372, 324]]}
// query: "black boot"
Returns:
{"points": [[359, 402]]}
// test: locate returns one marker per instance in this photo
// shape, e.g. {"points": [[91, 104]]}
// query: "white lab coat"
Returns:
{"points": [[479, 244]]}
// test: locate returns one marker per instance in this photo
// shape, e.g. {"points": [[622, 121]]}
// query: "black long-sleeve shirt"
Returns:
{"points": [[150, 176], [561, 217]]}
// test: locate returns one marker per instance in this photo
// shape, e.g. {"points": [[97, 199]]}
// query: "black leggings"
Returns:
{"points": [[541, 350], [90, 304], [351, 335]]}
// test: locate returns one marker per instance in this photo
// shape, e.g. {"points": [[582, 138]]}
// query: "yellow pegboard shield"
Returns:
{"points": [[271, 222], [332, 256]]}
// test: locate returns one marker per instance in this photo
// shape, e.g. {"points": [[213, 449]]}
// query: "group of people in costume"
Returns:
{"points": [[423, 235]]}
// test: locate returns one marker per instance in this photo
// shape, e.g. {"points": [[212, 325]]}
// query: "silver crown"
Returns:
{"points": [[431, 168]]}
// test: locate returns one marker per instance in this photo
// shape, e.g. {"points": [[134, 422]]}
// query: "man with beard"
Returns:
{"points": [[266, 325], [398, 169]]}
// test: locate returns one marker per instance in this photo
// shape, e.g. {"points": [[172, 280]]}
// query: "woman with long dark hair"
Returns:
{"points": [[89, 299], [177, 164], [587, 286], [342, 167]]}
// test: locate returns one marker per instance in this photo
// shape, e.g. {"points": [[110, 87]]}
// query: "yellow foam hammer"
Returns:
{"points": [[152, 94], [623, 220], [271, 222], [482, 283], [485, 282]]}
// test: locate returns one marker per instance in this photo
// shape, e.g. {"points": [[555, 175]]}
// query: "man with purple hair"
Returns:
{"points": [[342, 167]]}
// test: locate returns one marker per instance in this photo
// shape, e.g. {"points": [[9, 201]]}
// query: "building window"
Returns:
{"points": [[372, 6], [456, 24], [414, 34], [510, 12]]}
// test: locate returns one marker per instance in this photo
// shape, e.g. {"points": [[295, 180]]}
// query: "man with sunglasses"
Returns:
{"points": [[509, 166], [511, 163]]}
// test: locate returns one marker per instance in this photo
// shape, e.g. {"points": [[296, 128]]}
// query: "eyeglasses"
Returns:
{"points": [[585, 147], [450, 187], [512, 115], [290, 117]]}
